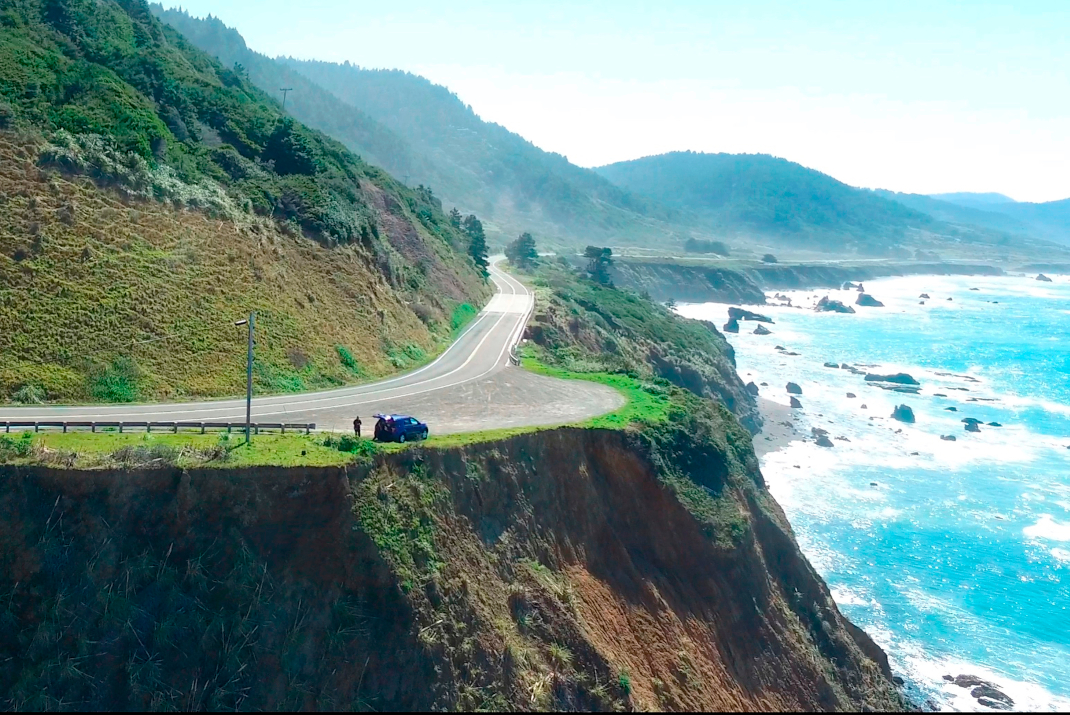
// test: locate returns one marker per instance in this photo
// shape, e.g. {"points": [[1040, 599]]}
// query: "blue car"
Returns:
{"points": [[399, 428]]}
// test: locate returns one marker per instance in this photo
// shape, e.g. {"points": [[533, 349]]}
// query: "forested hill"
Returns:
{"points": [[489, 169], [757, 193], [307, 102], [424, 134]]}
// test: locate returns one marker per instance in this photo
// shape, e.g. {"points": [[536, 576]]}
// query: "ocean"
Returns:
{"points": [[953, 555]]}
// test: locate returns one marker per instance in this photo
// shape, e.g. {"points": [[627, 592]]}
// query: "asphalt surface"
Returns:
{"points": [[470, 387]]}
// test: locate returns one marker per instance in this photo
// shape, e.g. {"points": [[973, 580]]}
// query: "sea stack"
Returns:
{"points": [[762, 330], [1043, 278], [903, 413], [867, 301], [732, 326]]}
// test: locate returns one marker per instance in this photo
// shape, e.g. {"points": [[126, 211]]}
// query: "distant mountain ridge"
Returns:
{"points": [[424, 134], [1049, 220], [757, 193], [974, 199]]}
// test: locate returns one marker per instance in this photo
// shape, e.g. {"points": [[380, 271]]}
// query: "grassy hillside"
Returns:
{"points": [[580, 326], [151, 196]]}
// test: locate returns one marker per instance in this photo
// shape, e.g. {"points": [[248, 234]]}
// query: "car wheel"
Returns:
{"points": [[401, 438], [424, 436]]}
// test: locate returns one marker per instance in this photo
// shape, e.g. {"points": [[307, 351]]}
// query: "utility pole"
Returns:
{"points": [[284, 91], [251, 322]]}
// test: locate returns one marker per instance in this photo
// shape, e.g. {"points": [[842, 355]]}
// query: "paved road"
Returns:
{"points": [[469, 387]]}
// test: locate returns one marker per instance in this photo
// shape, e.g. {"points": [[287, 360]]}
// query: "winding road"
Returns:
{"points": [[471, 386]]}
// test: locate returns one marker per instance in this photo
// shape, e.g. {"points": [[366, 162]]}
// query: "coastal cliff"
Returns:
{"points": [[666, 280], [566, 569]]}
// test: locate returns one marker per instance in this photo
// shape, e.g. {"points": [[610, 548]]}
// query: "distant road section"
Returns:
{"points": [[470, 387]]}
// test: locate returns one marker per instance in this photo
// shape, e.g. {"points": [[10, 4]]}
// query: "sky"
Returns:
{"points": [[921, 97]]}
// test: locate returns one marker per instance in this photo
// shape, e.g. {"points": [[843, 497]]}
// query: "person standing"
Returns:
{"points": [[356, 426]]}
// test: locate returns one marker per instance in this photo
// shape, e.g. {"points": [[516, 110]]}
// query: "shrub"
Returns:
{"points": [[692, 245], [117, 382], [7, 115], [346, 358], [15, 447], [462, 314], [625, 683], [29, 395], [142, 455]]}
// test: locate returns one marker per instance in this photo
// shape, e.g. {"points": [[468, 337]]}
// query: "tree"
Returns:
{"points": [[599, 261], [521, 252], [455, 217], [477, 243]]}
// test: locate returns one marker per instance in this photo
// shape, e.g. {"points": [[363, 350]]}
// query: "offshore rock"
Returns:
{"points": [[752, 389], [762, 330], [972, 427], [900, 378], [795, 404], [793, 389], [825, 305], [948, 438], [732, 326], [1043, 278], [903, 413], [741, 314], [868, 301]]}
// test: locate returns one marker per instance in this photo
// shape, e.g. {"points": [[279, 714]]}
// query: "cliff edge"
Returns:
{"points": [[566, 569]]}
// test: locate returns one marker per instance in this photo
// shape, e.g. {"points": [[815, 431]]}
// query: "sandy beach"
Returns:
{"points": [[779, 427]]}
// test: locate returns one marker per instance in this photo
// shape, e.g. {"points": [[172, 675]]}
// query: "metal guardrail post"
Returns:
{"points": [[92, 426]]}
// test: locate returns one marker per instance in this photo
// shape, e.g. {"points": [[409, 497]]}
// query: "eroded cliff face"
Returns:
{"points": [[563, 569]]}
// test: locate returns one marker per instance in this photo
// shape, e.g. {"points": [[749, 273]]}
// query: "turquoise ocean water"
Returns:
{"points": [[958, 560]]}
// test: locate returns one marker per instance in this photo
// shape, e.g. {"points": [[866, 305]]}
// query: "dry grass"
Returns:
{"points": [[86, 280]]}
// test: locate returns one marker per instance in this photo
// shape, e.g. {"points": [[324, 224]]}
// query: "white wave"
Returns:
{"points": [[1061, 554], [1048, 528], [929, 672]]}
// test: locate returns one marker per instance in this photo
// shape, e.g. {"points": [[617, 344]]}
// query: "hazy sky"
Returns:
{"points": [[923, 97]]}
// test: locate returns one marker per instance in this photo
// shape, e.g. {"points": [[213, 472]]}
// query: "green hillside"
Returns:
{"points": [[150, 195]]}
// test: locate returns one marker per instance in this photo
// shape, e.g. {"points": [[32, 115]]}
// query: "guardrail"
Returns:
{"points": [[173, 427]]}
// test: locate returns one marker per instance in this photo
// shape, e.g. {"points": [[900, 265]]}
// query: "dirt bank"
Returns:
{"points": [[565, 569]]}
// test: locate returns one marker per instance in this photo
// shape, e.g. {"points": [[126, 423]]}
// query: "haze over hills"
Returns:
{"points": [[1049, 220], [424, 134], [974, 200], [744, 194]]}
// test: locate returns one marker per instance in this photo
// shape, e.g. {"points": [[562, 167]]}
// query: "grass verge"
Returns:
{"points": [[104, 450]]}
